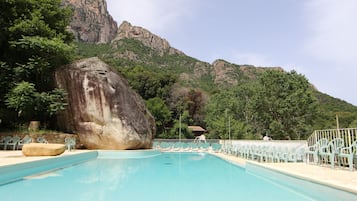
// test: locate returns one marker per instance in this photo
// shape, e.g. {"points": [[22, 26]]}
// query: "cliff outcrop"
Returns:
{"points": [[126, 30], [223, 72], [91, 22]]}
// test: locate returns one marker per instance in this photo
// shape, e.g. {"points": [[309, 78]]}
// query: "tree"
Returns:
{"points": [[35, 28], [161, 113], [353, 124], [22, 99], [181, 124], [34, 41], [284, 104], [192, 100], [149, 84], [196, 102], [245, 95], [279, 103], [32, 105], [223, 116]]}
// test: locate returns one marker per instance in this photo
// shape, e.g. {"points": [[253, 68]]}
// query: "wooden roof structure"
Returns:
{"points": [[197, 130]]}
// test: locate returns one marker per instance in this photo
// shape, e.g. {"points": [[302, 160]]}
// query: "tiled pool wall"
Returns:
{"points": [[319, 191], [11, 173]]}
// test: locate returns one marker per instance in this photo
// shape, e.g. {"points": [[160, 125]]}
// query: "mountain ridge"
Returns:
{"points": [[135, 46], [157, 51], [126, 30], [92, 23]]}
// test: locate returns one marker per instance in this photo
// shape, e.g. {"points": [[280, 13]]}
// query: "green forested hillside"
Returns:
{"points": [[188, 86], [330, 108]]}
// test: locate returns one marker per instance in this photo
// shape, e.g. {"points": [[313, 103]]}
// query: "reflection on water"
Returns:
{"points": [[198, 156], [43, 175], [104, 176]]}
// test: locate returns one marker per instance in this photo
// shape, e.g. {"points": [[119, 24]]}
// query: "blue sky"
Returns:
{"points": [[317, 38]]}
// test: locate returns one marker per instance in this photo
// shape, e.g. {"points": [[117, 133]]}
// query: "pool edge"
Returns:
{"points": [[243, 163], [14, 172], [249, 164]]}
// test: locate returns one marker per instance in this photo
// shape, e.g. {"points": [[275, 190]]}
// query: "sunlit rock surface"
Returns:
{"points": [[103, 110], [91, 21]]}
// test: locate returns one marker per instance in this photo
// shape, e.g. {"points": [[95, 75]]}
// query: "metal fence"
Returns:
{"points": [[349, 135]]}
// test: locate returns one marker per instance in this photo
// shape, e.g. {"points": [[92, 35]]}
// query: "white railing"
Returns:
{"points": [[349, 135]]}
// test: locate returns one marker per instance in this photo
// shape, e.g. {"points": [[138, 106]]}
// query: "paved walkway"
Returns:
{"points": [[339, 178], [14, 157]]}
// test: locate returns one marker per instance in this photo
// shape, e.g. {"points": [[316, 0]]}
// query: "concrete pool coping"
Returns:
{"points": [[16, 157], [338, 177]]}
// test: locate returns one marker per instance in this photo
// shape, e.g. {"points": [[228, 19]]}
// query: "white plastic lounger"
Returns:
{"points": [[12, 142], [4, 141], [26, 140], [328, 153], [314, 150], [42, 140], [350, 153], [70, 143]]}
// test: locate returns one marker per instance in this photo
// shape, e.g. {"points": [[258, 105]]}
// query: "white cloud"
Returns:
{"points": [[156, 15]]}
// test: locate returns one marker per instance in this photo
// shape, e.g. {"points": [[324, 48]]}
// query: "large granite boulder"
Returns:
{"points": [[102, 108]]}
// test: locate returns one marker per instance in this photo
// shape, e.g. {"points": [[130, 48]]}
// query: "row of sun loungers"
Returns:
{"points": [[331, 152], [262, 152], [268, 152], [187, 146], [16, 143]]}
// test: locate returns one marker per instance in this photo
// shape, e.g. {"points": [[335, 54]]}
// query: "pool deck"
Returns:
{"points": [[15, 157], [340, 178]]}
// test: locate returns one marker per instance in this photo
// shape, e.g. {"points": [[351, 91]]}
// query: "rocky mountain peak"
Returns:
{"points": [[222, 71], [91, 21], [221, 63], [126, 30]]}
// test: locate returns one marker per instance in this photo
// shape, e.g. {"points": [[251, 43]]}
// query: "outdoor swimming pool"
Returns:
{"points": [[160, 177]]}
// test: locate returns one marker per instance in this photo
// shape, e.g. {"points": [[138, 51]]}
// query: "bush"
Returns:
{"points": [[30, 104]]}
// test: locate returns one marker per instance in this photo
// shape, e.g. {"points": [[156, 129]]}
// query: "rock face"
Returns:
{"points": [[91, 21], [126, 30], [222, 72], [103, 110]]}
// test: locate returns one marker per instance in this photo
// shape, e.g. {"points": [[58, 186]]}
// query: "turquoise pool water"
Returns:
{"points": [[156, 177]]}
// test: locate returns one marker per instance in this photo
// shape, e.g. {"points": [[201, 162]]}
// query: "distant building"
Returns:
{"points": [[197, 130]]}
